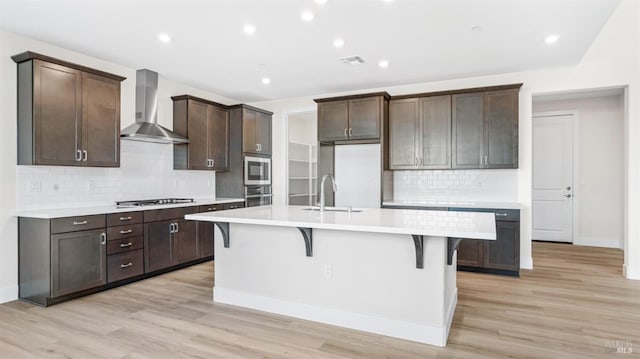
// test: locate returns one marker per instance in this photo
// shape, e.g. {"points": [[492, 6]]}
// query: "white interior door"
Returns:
{"points": [[553, 178]]}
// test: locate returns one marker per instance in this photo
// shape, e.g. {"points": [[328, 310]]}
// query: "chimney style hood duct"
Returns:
{"points": [[146, 128]]}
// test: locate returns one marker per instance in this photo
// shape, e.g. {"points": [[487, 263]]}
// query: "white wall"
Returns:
{"points": [[303, 128], [147, 169], [611, 61], [600, 165]]}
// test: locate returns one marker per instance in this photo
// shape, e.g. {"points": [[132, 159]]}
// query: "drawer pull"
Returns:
{"points": [[127, 231], [126, 218], [79, 223], [126, 265], [501, 214], [125, 245], [211, 209]]}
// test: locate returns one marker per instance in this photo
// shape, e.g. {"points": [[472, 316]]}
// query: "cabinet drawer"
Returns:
{"points": [[170, 213], [234, 205], [120, 219], [501, 214], [116, 233], [125, 265], [124, 245], [79, 223], [212, 207]]}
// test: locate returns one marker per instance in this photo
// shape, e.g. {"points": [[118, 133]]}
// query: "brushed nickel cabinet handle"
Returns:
{"points": [[177, 228], [126, 265], [103, 238], [172, 228], [125, 245], [126, 218], [501, 214], [79, 223], [127, 231], [78, 155], [350, 132], [85, 155], [345, 132]]}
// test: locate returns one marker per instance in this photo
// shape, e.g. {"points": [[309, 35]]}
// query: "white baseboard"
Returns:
{"points": [[598, 242], [630, 272], [8, 294], [427, 334]]}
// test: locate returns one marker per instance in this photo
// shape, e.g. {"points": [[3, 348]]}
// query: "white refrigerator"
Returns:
{"points": [[357, 173]]}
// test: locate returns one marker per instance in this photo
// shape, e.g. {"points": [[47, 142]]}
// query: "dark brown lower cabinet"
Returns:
{"points": [[125, 265], [60, 256], [78, 261], [185, 242], [157, 245], [501, 256]]}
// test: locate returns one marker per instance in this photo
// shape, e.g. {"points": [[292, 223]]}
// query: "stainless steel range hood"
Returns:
{"points": [[146, 128]]}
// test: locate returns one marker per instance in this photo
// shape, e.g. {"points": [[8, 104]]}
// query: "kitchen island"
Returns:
{"points": [[385, 271]]}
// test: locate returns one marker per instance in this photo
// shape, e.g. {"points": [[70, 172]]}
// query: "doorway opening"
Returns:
{"points": [[578, 193], [302, 155]]}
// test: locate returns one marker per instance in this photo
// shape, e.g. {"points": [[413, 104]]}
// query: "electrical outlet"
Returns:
{"points": [[328, 271], [92, 185], [35, 186]]}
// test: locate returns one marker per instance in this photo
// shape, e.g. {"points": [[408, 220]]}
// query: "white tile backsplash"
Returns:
{"points": [[475, 185], [146, 171]]}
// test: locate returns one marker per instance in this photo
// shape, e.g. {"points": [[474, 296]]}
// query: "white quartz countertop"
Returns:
{"points": [[457, 203], [378, 220], [86, 211]]}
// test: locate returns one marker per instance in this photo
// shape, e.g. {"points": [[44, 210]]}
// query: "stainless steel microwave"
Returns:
{"points": [[257, 171]]}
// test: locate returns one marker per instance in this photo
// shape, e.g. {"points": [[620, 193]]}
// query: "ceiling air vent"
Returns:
{"points": [[351, 60]]}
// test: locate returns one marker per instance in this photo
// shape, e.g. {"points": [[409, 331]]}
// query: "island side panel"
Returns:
{"points": [[364, 281]]}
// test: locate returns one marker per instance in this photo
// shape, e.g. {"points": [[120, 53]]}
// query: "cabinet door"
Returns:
{"points": [[205, 237], [333, 121], [435, 132], [501, 129], [157, 245], [185, 242], [218, 134], [263, 133], [100, 121], [78, 261], [249, 123], [470, 253], [468, 130], [504, 252], [403, 134], [364, 118], [57, 114], [197, 132]]}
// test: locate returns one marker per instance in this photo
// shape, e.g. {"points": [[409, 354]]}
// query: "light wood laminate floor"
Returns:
{"points": [[575, 304]]}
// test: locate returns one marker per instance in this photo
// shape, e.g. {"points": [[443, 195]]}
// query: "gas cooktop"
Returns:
{"points": [[153, 202]]}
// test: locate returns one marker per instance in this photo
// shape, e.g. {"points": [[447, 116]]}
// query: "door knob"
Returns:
{"points": [[568, 188], [568, 195]]}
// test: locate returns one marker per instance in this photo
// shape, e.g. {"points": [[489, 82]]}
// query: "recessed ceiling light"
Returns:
{"points": [[477, 28], [307, 15], [551, 39], [164, 38], [338, 42], [383, 63], [266, 80], [249, 29], [321, 2], [387, 0]]}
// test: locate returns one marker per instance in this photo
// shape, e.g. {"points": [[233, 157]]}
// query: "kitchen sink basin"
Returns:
{"points": [[334, 209]]}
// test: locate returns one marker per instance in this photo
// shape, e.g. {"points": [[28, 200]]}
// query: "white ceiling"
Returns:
{"points": [[423, 41]]}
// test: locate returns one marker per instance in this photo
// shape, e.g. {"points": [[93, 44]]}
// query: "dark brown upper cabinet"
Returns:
{"points": [[68, 115], [420, 133], [485, 129], [206, 125], [352, 118], [256, 130]]}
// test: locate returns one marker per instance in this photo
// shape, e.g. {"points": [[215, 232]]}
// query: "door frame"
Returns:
{"points": [[285, 146], [575, 156]]}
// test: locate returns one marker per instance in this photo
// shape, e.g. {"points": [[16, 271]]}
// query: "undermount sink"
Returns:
{"points": [[334, 209]]}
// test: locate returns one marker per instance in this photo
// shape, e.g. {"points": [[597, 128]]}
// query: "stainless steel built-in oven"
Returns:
{"points": [[257, 171], [257, 196]]}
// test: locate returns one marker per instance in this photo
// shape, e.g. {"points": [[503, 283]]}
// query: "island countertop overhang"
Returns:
{"points": [[471, 225]]}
